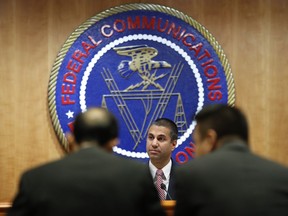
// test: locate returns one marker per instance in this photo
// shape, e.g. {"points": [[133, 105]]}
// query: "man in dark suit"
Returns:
{"points": [[91, 180], [226, 178], [161, 141]]}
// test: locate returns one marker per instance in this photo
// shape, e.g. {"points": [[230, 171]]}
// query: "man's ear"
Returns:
{"points": [[212, 139], [174, 143], [111, 144], [72, 145]]}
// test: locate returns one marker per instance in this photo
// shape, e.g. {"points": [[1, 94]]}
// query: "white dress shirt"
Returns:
{"points": [[166, 171]]}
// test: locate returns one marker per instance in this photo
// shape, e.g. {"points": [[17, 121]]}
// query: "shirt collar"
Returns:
{"points": [[166, 169]]}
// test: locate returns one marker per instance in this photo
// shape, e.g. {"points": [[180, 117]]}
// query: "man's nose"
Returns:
{"points": [[154, 142]]}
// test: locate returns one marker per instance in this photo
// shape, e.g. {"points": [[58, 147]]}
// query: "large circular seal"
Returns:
{"points": [[141, 62]]}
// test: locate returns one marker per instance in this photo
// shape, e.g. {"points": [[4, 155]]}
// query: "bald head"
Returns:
{"points": [[95, 125]]}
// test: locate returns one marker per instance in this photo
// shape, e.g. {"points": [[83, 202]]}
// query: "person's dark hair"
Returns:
{"points": [[224, 119], [95, 125], [165, 122]]}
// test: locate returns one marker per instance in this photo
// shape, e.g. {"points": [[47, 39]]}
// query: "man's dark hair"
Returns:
{"points": [[95, 125], [224, 119], [165, 122]]}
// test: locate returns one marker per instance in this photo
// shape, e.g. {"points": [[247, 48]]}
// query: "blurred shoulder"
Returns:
{"points": [[41, 169]]}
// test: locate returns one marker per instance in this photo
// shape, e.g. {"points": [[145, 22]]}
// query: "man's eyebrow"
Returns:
{"points": [[161, 135]]}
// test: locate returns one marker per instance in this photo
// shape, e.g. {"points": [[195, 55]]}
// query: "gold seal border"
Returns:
{"points": [[120, 9]]}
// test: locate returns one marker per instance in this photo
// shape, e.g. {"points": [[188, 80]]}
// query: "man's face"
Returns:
{"points": [[159, 144], [203, 145]]}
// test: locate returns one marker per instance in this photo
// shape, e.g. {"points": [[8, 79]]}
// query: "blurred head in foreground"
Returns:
{"points": [[94, 127], [217, 123]]}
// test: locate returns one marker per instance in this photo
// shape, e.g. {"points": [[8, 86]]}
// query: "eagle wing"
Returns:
{"points": [[138, 53]]}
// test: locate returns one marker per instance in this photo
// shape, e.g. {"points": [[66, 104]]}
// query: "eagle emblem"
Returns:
{"points": [[142, 63]]}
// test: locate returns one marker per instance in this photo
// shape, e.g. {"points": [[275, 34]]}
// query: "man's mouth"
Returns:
{"points": [[154, 151]]}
